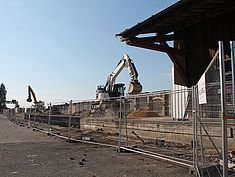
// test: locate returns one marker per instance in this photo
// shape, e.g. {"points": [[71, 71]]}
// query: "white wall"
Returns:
{"points": [[179, 99]]}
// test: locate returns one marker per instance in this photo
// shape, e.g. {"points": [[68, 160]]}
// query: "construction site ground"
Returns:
{"points": [[24, 152]]}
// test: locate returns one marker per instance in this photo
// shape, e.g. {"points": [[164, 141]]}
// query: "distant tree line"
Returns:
{"points": [[3, 94]]}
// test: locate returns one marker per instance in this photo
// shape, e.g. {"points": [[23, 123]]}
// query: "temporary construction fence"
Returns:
{"points": [[212, 104], [141, 123], [187, 127]]}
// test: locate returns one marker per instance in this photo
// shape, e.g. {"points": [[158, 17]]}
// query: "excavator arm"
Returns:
{"points": [[31, 93], [112, 77], [39, 105], [134, 87]]}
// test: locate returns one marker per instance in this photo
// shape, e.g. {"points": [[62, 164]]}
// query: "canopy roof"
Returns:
{"points": [[180, 15], [195, 27]]}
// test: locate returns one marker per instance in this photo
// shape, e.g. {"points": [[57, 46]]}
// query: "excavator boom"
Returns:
{"points": [[114, 90], [39, 105], [31, 92]]}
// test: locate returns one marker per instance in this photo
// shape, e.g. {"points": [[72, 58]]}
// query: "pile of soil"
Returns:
{"points": [[143, 112]]}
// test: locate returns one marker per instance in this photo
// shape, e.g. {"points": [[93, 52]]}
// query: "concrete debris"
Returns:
{"points": [[231, 159], [99, 130], [32, 156], [231, 155], [160, 142], [81, 163], [14, 172], [86, 138], [143, 112]]}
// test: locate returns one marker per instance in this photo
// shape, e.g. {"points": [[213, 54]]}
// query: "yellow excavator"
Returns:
{"points": [[115, 90], [39, 105]]}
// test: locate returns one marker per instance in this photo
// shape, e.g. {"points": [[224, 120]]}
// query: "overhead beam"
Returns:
{"points": [[173, 53], [177, 60], [149, 44], [157, 38]]}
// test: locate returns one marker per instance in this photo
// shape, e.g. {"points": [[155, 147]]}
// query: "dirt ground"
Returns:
{"points": [[24, 152]]}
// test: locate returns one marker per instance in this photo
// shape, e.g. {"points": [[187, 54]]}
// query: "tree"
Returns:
{"points": [[3, 94]]}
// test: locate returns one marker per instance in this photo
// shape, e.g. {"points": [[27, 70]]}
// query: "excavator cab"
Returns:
{"points": [[118, 90]]}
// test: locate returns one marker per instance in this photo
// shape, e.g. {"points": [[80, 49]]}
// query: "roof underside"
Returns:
{"points": [[180, 15], [195, 26]]}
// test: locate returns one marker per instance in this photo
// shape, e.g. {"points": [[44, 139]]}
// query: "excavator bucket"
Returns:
{"points": [[134, 88], [29, 99]]}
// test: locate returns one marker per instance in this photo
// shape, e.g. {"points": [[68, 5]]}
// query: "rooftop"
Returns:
{"points": [[178, 16]]}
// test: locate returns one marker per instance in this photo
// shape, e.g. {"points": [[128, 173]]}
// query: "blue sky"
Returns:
{"points": [[65, 48]]}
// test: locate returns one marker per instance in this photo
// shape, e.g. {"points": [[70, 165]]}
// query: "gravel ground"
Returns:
{"points": [[24, 152]]}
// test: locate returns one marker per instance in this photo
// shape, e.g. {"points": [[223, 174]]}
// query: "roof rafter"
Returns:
{"points": [[149, 43]]}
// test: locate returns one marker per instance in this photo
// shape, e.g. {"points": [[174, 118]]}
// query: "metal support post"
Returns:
{"points": [[232, 47], [194, 117], [29, 120], [34, 118], [49, 118], [196, 131], [182, 105], [120, 128], [201, 145], [223, 110], [171, 104], [11, 115], [70, 114], [125, 117]]}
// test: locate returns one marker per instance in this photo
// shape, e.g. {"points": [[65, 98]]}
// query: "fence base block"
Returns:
{"points": [[210, 170]]}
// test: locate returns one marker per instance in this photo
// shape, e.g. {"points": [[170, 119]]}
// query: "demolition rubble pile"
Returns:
{"points": [[143, 112]]}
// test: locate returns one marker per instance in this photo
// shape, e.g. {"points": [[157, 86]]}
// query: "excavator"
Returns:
{"points": [[115, 90], [39, 105]]}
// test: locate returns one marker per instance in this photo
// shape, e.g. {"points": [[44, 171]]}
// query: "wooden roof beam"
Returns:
{"points": [[157, 38], [178, 63], [148, 43], [173, 53]]}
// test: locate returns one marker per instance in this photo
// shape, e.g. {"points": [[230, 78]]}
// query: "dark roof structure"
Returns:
{"points": [[191, 24]]}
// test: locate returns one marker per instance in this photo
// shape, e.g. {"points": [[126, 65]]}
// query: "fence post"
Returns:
{"points": [[34, 118], [120, 121], [70, 114], [11, 114], [125, 117], [49, 118], [223, 110], [194, 121], [201, 144], [232, 47], [196, 128], [29, 118]]}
